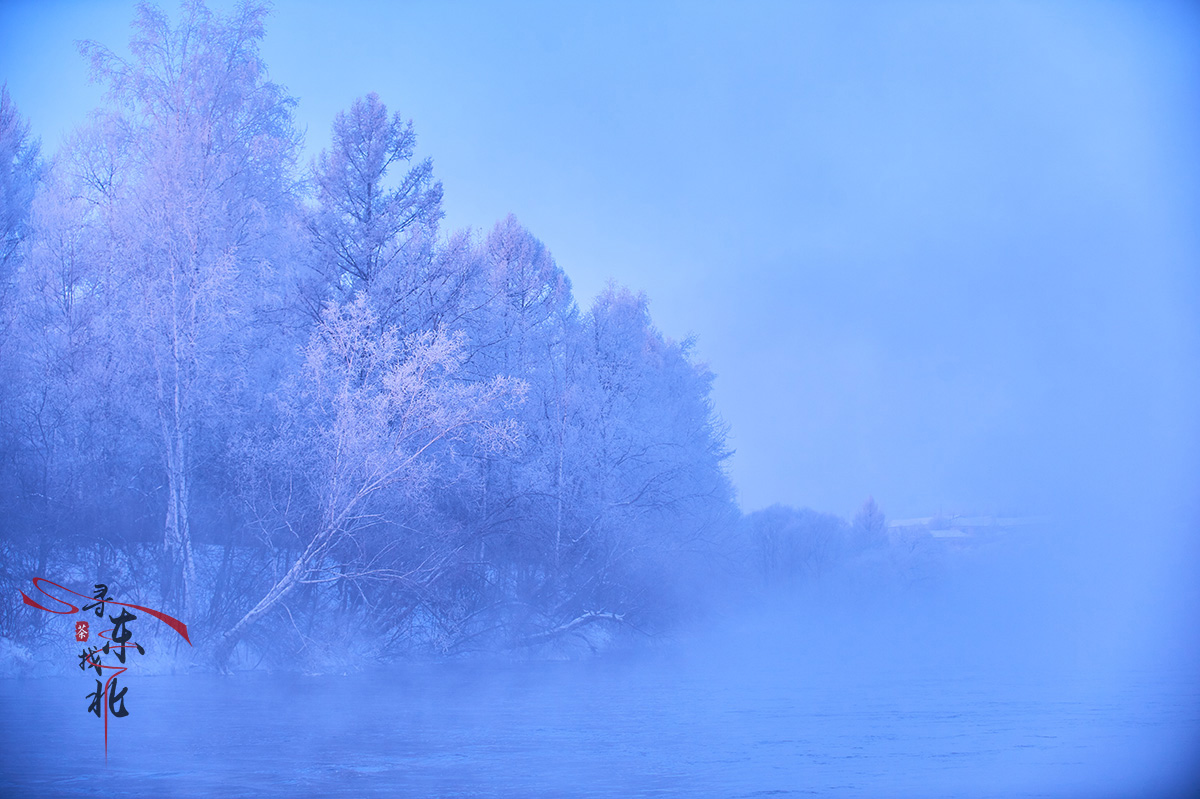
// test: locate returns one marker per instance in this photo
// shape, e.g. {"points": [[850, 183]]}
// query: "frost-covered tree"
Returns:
{"points": [[275, 401], [372, 236], [618, 475], [522, 322], [72, 480], [869, 528], [196, 179], [525, 318], [644, 473], [356, 460], [791, 545], [20, 168], [58, 373]]}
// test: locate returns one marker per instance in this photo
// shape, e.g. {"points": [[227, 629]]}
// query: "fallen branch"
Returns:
{"points": [[586, 618]]}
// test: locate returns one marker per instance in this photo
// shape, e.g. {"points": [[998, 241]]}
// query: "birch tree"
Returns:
{"points": [[207, 145]]}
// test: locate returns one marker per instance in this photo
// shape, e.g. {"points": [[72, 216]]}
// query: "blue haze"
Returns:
{"points": [[942, 255]]}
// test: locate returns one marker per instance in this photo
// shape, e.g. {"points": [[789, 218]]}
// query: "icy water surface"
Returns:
{"points": [[650, 727]]}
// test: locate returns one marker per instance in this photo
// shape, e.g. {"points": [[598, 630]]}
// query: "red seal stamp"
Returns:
{"points": [[81, 631]]}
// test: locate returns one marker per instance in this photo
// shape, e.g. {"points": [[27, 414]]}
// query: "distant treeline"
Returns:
{"points": [[282, 403]]}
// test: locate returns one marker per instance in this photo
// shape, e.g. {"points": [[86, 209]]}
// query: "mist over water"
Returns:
{"points": [[788, 701], [451, 511]]}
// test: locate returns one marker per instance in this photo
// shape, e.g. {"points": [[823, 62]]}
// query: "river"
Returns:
{"points": [[655, 724]]}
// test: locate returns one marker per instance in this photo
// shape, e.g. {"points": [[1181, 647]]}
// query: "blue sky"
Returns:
{"points": [[940, 253]]}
